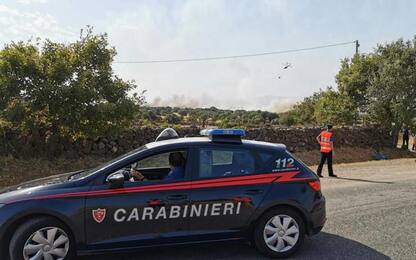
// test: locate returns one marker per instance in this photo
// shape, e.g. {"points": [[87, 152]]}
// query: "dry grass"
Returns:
{"points": [[14, 171]]}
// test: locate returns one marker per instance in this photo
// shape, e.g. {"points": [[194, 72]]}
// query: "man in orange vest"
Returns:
{"points": [[326, 141]]}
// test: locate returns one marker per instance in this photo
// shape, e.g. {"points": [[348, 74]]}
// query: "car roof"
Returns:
{"points": [[195, 141]]}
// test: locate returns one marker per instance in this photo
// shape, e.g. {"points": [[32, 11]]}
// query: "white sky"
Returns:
{"points": [[143, 30]]}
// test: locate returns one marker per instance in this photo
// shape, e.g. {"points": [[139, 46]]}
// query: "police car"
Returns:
{"points": [[216, 187]]}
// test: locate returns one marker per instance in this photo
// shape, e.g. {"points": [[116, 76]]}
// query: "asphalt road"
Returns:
{"points": [[371, 212]]}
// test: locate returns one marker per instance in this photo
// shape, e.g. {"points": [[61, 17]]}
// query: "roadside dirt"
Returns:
{"points": [[371, 172], [350, 155]]}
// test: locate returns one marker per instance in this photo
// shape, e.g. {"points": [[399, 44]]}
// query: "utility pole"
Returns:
{"points": [[356, 47]]}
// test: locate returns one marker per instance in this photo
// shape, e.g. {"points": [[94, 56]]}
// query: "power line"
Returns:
{"points": [[238, 56]]}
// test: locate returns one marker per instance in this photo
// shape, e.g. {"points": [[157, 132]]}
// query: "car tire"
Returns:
{"points": [[279, 233], [43, 235]]}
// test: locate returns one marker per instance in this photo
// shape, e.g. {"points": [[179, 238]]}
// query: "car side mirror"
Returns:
{"points": [[116, 180]]}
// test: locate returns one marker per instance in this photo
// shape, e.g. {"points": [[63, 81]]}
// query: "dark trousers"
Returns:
{"points": [[326, 157], [405, 142]]}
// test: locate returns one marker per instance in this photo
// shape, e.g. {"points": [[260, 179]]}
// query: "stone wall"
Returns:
{"points": [[297, 139]]}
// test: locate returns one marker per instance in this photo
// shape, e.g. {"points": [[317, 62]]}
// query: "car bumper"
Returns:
{"points": [[317, 217], [5, 216]]}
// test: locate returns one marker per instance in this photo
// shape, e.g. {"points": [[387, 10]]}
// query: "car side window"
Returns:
{"points": [[218, 162], [155, 161], [165, 166]]}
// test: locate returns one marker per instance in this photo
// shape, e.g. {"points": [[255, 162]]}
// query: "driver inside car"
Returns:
{"points": [[176, 164]]}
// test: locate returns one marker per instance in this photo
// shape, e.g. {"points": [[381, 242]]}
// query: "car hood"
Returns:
{"points": [[27, 188]]}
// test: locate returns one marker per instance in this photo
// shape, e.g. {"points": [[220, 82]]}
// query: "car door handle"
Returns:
{"points": [[254, 192], [177, 197]]}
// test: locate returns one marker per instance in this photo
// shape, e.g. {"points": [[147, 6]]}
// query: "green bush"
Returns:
{"points": [[67, 89]]}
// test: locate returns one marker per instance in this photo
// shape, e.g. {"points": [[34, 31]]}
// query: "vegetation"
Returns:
{"points": [[203, 117], [378, 88], [65, 89], [71, 90]]}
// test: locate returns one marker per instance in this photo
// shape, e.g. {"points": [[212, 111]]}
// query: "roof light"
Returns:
{"points": [[224, 135], [227, 132]]}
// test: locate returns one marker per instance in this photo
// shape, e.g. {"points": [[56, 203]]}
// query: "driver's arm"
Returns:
{"points": [[136, 175]]}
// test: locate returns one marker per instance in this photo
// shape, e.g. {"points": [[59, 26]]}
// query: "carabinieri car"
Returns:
{"points": [[173, 191]]}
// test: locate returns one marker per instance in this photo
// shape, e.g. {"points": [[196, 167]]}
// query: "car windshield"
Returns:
{"points": [[84, 173]]}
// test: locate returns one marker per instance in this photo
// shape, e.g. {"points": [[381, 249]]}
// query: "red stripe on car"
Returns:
{"points": [[281, 177]]}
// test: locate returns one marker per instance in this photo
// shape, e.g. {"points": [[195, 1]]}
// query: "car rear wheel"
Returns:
{"points": [[279, 233], [41, 239]]}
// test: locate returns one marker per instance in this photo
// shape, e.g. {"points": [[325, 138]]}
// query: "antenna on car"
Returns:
{"points": [[167, 134]]}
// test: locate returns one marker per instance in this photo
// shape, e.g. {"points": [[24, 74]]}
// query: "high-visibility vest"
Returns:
{"points": [[325, 141]]}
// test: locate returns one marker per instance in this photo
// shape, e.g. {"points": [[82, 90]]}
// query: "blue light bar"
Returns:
{"points": [[223, 132]]}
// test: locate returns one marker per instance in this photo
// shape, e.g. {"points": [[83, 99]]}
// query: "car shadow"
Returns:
{"points": [[322, 246], [363, 180]]}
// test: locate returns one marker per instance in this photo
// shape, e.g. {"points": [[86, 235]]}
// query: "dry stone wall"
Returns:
{"points": [[296, 139]]}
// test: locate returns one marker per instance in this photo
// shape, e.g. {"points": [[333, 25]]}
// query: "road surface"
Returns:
{"points": [[371, 212]]}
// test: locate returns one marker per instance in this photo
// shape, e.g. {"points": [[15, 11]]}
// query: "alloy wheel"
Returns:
{"points": [[50, 243], [281, 233]]}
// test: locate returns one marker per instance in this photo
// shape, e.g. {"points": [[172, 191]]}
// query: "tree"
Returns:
{"points": [[335, 108], [383, 83], [303, 113], [287, 118], [173, 119], [393, 88], [355, 77], [379, 87], [68, 89]]}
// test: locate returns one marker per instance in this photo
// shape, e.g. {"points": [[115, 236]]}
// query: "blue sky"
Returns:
{"points": [[142, 30]]}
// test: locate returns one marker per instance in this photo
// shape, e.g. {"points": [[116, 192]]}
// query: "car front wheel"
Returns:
{"points": [[279, 233], [41, 238]]}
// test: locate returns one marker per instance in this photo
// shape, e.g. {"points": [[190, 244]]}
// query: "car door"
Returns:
{"points": [[141, 212], [225, 183]]}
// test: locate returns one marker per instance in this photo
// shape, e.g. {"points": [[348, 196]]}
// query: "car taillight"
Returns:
{"points": [[315, 185]]}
